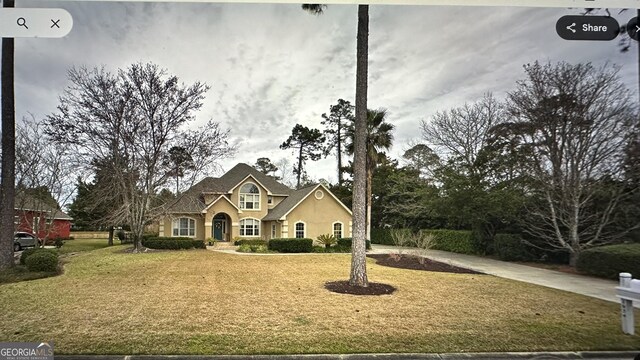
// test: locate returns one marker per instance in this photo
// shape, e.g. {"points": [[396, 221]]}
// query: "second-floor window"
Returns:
{"points": [[249, 197]]}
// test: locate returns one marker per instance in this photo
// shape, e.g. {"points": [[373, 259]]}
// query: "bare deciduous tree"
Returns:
{"points": [[44, 174], [572, 123], [127, 122], [461, 133]]}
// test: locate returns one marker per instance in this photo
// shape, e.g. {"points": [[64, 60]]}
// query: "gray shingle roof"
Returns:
{"points": [[287, 204], [229, 180], [27, 202], [191, 201]]}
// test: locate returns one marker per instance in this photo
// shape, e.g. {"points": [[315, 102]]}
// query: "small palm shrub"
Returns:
{"points": [[327, 240]]}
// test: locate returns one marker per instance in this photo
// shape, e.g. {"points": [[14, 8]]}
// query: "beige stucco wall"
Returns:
{"points": [[167, 230], [256, 214], [319, 216]]}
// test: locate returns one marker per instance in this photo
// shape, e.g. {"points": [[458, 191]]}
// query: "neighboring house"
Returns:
{"points": [[245, 203], [39, 218]]}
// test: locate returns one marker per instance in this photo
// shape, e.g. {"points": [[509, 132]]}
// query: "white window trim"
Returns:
{"points": [[249, 236], [195, 226], [333, 230], [304, 230], [240, 193]]}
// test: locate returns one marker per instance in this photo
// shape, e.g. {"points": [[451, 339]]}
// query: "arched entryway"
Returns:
{"points": [[221, 227]]}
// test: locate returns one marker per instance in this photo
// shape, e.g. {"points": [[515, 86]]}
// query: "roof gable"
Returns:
{"points": [[191, 201], [296, 198]]}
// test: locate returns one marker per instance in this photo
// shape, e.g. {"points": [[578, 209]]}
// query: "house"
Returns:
{"points": [[245, 203], [40, 218]]}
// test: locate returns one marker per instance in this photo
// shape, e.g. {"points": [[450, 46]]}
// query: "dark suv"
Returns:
{"points": [[22, 240]]}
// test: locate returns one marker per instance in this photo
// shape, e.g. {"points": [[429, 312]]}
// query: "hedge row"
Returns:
{"points": [[510, 247], [610, 261], [346, 243], [381, 236], [173, 243], [458, 241], [250, 242], [291, 245]]}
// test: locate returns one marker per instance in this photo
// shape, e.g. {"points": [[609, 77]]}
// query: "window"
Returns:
{"points": [[273, 231], [269, 199], [299, 230], [249, 227], [249, 197], [184, 227], [337, 230], [319, 194]]}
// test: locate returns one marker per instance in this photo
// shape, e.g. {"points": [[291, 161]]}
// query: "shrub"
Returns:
{"points": [[173, 243], [401, 237], [291, 245], [28, 252], [346, 243], [458, 241], [42, 261], [327, 240], [381, 236], [249, 242], [58, 243], [609, 261], [244, 248], [510, 247], [423, 241]]}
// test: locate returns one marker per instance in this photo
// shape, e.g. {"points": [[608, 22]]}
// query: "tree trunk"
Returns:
{"points": [[358, 251], [339, 150], [369, 198], [573, 258], [110, 243], [8, 175], [299, 167]]}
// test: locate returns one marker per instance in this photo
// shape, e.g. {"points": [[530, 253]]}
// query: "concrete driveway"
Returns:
{"points": [[579, 284]]}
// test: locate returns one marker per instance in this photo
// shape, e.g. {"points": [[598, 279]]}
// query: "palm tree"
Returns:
{"points": [[358, 276], [7, 178], [379, 139]]}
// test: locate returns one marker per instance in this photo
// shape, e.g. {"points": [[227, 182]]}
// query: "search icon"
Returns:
{"points": [[22, 22]]}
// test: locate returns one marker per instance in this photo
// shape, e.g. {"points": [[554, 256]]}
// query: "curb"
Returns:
{"points": [[593, 355]]}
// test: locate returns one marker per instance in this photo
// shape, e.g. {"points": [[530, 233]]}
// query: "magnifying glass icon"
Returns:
{"points": [[22, 22]]}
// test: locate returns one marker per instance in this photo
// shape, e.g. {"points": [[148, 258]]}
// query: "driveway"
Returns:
{"points": [[584, 285]]}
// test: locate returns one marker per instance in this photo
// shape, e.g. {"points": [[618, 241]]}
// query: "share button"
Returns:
{"points": [[585, 27]]}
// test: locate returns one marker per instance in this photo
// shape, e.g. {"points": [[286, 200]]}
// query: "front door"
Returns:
{"points": [[218, 229]]}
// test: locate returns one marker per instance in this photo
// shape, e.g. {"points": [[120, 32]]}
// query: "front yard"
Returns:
{"points": [[203, 302]]}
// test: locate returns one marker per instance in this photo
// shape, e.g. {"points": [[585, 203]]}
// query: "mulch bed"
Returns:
{"points": [[343, 287], [412, 262]]}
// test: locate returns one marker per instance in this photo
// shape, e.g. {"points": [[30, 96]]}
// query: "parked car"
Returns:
{"points": [[22, 240]]}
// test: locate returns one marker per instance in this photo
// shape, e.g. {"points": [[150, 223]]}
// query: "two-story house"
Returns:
{"points": [[245, 203]]}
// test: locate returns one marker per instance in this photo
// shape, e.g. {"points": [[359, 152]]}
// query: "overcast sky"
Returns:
{"points": [[271, 66]]}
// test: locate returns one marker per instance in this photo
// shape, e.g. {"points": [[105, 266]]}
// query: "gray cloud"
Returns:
{"points": [[271, 66]]}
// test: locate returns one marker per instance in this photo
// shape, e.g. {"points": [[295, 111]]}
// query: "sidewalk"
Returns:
{"points": [[584, 285]]}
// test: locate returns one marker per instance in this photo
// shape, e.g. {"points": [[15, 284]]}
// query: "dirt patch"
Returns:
{"points": [[343, 287], [412, 262]]}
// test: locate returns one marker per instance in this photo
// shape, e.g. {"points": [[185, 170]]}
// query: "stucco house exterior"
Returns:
{"points": [[245, 203]]}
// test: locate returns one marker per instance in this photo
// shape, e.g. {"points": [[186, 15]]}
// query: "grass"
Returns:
{"points": [[80, 245], [20, 272], [203, 302]]}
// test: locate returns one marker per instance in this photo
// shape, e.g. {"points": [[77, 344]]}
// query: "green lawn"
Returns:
{"points": [[203, 302], [80, 245]]}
